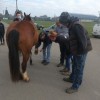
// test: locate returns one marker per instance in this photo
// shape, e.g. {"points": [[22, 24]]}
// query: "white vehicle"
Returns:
{"points": [[96, 30]]}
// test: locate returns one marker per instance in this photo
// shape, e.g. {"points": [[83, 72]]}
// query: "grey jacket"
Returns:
{"points": [[62, 30]]}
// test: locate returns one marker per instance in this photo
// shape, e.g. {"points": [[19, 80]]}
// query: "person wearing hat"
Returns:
{"points": [[80, 45], [47, 43]]}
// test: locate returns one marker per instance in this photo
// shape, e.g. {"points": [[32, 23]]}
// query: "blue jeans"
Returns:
{"points": [[46, 53], [77, 70], [68, 61]]}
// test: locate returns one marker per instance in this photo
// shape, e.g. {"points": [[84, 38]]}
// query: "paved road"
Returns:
{"points": [[46, 81]]}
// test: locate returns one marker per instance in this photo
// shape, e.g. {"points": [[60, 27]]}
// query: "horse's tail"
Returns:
{"points": [[14, 62]]}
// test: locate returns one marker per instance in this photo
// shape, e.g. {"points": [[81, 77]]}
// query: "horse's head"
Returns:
{"points": [[27, 17]]}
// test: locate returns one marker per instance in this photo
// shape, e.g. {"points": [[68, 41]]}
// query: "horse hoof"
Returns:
{"points": [[27, 80]]}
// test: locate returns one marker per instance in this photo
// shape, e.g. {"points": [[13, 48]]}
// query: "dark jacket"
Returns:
{"points": [[79, 40], [2, 29], [17, 19], [46, 41], [63, 42]]}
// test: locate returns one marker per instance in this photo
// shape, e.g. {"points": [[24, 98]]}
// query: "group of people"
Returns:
{"points": [[74, 44]]}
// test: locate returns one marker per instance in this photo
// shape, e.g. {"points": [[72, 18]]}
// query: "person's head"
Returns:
{"points": [[64, 18], [58, 23], [18, 15], [52, 35]]}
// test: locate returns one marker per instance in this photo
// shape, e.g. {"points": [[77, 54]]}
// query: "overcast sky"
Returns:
{"points": [[52, 7]]}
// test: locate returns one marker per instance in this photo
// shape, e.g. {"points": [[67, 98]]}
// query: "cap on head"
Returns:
{"points": [[73, 19], [64, 18]]}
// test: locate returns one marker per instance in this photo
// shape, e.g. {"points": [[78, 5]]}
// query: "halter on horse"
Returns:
{"points": [[21, 36]]}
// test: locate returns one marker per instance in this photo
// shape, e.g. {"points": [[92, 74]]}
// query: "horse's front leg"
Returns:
{"points": [[24, 65]]}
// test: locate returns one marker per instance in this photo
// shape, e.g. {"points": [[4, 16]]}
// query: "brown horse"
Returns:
{"points": [[20, 36]]}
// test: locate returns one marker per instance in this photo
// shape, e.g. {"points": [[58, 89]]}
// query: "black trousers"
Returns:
{"points": [[62, 53]]}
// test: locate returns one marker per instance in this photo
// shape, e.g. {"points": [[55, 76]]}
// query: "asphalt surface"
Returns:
{"points": [[46, 81]]}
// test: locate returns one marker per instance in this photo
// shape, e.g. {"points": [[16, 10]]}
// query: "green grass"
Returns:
{"points": [[45, 23], [87, 25], [7, 21]]}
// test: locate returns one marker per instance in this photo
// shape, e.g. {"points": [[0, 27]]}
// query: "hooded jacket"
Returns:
{"points": [[78, 38]]}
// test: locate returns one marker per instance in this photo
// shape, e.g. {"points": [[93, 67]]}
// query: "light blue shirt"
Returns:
{"points": [[62, 30]]}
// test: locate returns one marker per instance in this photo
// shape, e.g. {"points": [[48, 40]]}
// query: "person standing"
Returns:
{"points": [[80, 45], [47, 43], [61, 30], [2, 32]]}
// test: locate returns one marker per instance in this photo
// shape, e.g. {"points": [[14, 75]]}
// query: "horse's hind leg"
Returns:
{"points": [[24, 65], [31, 58]]}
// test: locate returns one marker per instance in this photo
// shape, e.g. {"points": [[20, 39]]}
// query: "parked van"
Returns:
{"points": [[96, 30]]}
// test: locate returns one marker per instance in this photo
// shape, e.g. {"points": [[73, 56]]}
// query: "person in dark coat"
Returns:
{"points": [[80, 45], [2, 32], [63, 41], [43, 38]]}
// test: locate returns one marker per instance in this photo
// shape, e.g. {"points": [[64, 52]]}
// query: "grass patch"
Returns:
{"points": [[87, 25]]}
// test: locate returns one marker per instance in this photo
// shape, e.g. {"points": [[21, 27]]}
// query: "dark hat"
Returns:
{"points": [[64, 18], [73, 19]]}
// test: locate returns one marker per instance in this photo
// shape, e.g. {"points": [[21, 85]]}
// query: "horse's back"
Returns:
{"points": [[28, 34]]}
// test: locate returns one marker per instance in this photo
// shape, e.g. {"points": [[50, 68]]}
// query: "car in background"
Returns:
{"points": [[39, 26], [96, 30]]}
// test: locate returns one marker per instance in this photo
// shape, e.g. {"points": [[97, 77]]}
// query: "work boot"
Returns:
{"points": [[64, 70], [60, 65], [46, 63], [66, 73], [43, 61], [67, 80], [71, 90]]}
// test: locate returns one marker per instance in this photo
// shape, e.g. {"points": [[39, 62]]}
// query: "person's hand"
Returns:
{"points": [[41, 50], [36, 51]]}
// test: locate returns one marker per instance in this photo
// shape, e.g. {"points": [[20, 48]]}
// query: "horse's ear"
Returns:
{"points": [[24, 14]]}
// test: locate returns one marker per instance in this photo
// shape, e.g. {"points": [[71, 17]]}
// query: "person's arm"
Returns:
{"points": [[36, 46], [80, 32], [46, 42], [38, 43]]}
